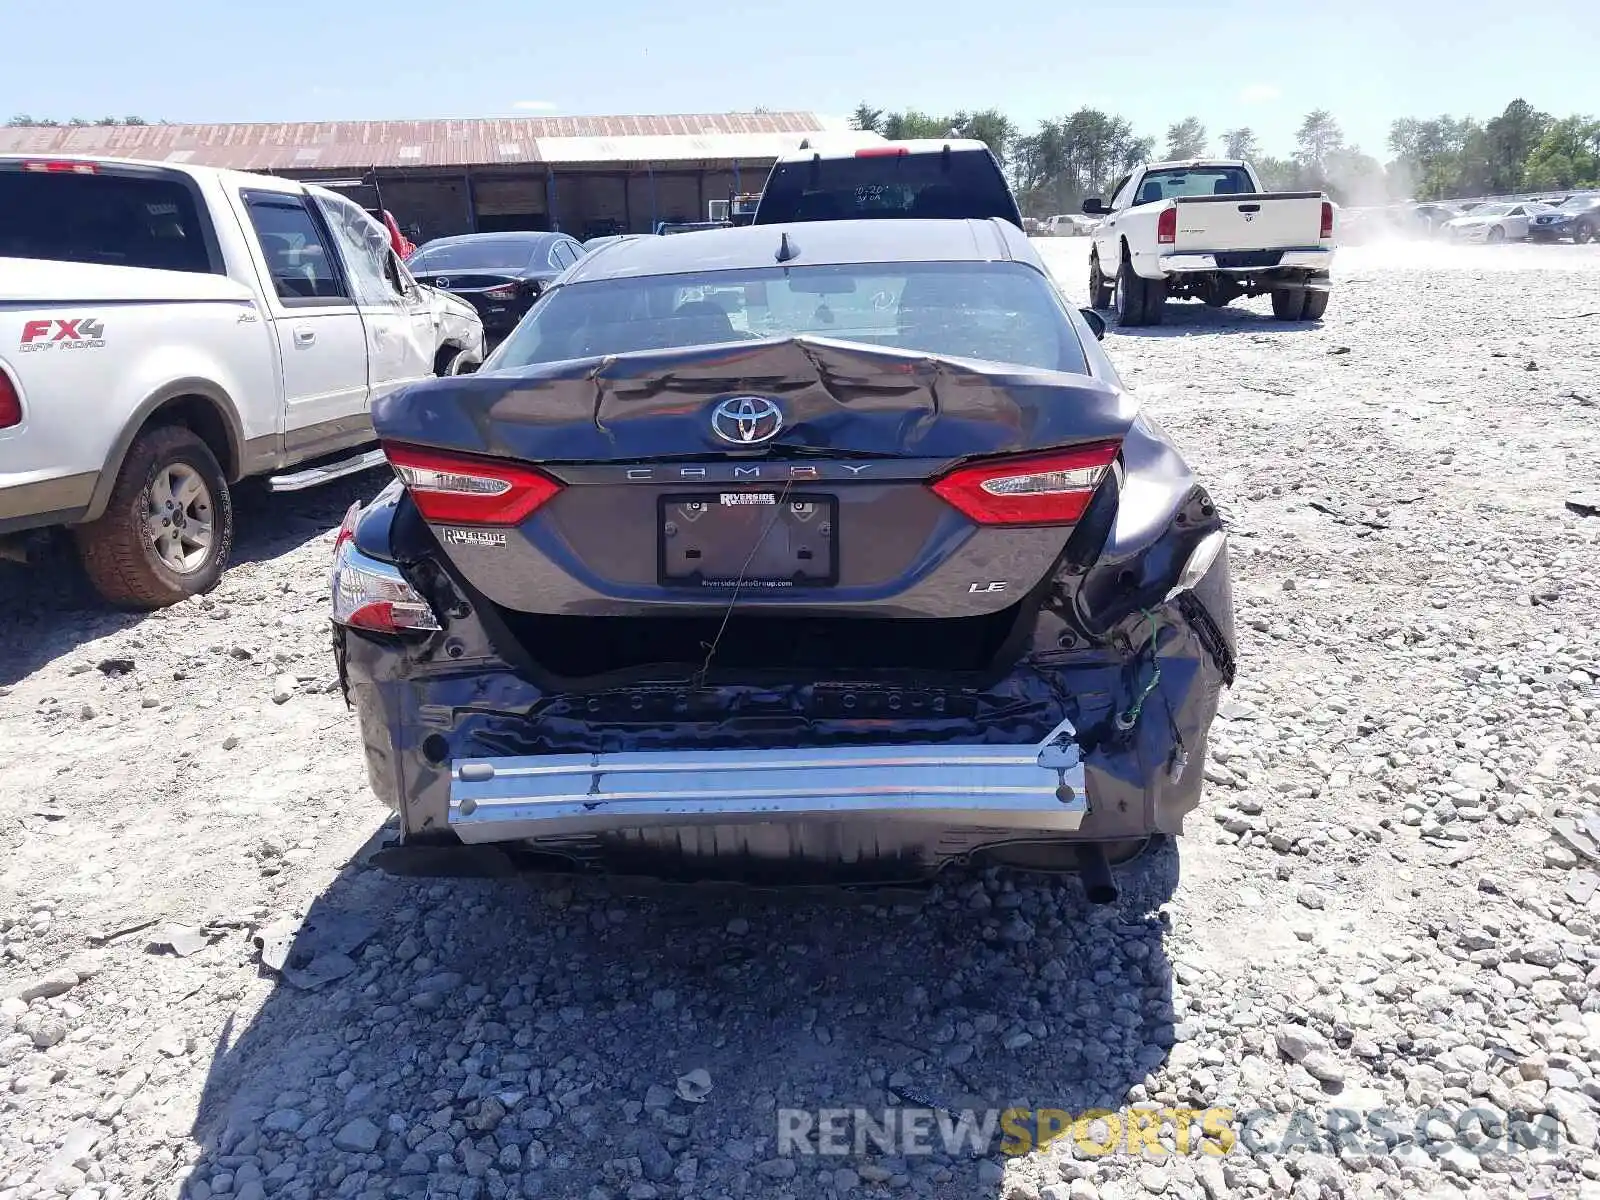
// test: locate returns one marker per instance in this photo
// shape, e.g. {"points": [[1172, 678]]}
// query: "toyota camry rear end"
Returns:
{"points": [[822, 551]]}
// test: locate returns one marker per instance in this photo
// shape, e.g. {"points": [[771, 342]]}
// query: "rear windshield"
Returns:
{"points": [[1193, 181], [476, 255], [111, 219], [962, 184], [1001, 312]]}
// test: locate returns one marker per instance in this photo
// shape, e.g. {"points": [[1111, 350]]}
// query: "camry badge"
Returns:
{"points": [[746, 420]]}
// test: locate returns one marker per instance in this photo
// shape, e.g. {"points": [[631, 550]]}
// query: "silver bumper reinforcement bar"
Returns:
{"points": [[1023, 788]]}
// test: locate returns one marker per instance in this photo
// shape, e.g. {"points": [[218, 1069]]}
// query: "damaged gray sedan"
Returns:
{"points": [[828, 551]]}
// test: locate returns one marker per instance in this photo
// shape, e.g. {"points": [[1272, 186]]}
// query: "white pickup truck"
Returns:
{"points": [[1206, 230], [168, 330]]}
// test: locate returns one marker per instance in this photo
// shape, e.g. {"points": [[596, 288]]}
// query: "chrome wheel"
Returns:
{"points": [[179, 518]]}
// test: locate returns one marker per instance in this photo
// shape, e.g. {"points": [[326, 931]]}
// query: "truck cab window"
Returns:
{"points": [[297, 257]]}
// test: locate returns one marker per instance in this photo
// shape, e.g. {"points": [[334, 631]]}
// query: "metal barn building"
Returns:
{"points": [[581, 175]]}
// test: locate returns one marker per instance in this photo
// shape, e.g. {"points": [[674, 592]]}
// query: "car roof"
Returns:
{"points": [[815, 243], [1191, 163], [531, 236], [910, 145]]}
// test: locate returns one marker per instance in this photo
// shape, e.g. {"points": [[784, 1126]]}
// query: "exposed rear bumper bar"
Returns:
{"points": [[1297, 260], [1021, 789]]}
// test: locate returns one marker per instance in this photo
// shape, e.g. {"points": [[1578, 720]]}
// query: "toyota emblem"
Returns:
{"points": [[746, 420]]}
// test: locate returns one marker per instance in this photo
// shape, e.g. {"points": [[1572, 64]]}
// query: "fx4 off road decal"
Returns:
{"points": [[68, 333]]}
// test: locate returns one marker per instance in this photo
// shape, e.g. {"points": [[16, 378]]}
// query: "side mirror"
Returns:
{"points": [[1095, 207], [1097, 323]]}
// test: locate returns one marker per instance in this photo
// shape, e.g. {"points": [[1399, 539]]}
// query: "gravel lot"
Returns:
{"points": [[1374, 912]]}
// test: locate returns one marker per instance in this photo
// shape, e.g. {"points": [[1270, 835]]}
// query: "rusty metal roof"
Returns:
{"points": [[347, 145]]}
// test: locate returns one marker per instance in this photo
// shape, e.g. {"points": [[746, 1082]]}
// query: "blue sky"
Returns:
{"points": [[1227, 61]]}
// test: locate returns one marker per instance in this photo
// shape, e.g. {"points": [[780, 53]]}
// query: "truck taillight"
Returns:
{"points": [[459, 489], [1053, 488], [60, 167], [1327, 219], [1167, 227], [10, 402]]}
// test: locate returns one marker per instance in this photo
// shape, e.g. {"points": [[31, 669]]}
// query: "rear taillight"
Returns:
{"points": [[1327, 219], [10, 402], [60, 167], [507, 292], [464, 490], [880, 151], [1034, 489], [1167, 227], [372, 595]]}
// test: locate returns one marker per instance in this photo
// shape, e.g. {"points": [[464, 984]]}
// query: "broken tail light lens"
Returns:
{"points": [[1167, 227], [461, 489], [372, 595], [1034, 489]]}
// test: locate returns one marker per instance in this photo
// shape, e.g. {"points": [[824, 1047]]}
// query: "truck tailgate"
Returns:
{"points": [[1262, 221]]}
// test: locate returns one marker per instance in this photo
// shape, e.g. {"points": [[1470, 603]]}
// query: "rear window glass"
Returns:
{"points": [[1193, 181], [962, 184], [1000, 312], [110, 219], [479, 254]]}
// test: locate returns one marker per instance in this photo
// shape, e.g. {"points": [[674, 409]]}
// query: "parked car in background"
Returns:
{"points": [[1494, 222], [1069, 225], [1428, 219], [938, 178], [1577, 217], [168, 330], [1205, 229], [889, 574], [499, 274]]}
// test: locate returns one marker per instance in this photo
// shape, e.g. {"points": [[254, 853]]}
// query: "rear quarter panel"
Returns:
{"points": [[80, 393]]}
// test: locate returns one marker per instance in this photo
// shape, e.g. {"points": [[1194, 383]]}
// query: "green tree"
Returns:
{"points": [[989, 126], [1186, 139], [1318, 137], [1511, 138], [1567, 156], [1241, 144], [867, 118]]}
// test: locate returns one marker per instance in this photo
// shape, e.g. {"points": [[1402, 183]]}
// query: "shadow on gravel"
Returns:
{"points": [[1189, 319], [541, 1035], [48, 608]]}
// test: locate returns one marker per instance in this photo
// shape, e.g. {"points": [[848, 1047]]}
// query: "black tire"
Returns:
{"points": [[1496, 236], [1155, 301], [450, 360], [1583, 232], [1316, 305], [1128, 296], [1288, 303], [117, 550], [1100, 287]]}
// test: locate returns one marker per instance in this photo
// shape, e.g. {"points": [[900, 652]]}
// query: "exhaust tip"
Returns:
{"points": [[1098, 885]]}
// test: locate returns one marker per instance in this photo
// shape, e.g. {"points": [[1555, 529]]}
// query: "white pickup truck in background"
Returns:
{"points": [[1205, 230], [168, 330]]}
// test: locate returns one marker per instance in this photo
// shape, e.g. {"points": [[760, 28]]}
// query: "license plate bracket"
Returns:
{"points": [[751, 540]]}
